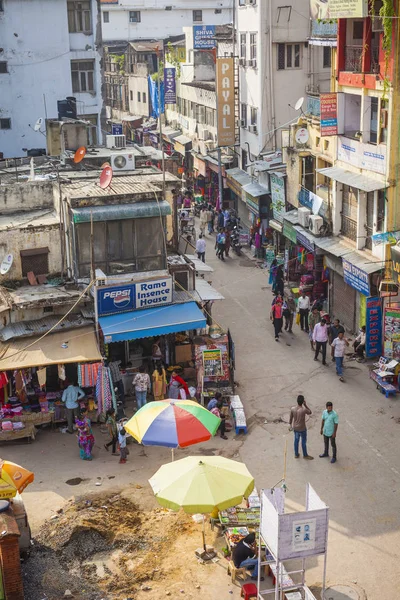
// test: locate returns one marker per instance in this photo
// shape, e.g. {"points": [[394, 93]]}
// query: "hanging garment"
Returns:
{"points": [[41, 375], [61, 372], [3, 379], [105, 394], [87, 374]]}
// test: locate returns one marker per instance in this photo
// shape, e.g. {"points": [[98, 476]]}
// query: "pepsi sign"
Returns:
{"points": [[124, 298]]}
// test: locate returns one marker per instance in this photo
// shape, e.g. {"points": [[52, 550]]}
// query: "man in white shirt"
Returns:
{"points": [[201, 248], [320, 337], [339, 347], [303, 305], [359, 343]]}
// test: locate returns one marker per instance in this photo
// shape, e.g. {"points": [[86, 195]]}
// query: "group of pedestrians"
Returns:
{"points": [[329, 427]]}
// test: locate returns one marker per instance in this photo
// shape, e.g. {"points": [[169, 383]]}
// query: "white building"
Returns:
{"points": [[50, 49], [149, 19], [277, 66]]}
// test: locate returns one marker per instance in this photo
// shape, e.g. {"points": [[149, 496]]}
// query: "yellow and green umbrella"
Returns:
{"points": [[200, 484], [13, 479]]}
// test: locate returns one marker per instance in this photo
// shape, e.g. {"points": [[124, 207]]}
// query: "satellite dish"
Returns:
{"points": [[6, 264], [106, 177], [38, 124], [302, 135], [299, 103], [79, 154], [104, 165]]}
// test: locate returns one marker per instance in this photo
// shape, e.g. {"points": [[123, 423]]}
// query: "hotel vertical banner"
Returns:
{"points": [[169, 86], [329, 122], [226, 102]]}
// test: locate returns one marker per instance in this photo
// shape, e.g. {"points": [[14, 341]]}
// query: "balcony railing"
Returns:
{"points": [[349, 228], [353, 59]]}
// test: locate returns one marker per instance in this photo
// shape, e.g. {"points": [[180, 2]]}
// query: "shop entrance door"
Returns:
{"points": [[343, 302]]}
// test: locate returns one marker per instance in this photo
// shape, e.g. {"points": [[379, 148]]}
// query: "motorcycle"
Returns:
{"points": [[235, 241]]}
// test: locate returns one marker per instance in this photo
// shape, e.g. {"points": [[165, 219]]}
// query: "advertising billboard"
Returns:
{"points": [[125, 298], [226, 102], [204, 37], [169, 85], [338, 9]]}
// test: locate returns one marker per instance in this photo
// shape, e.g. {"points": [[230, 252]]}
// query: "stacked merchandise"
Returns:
{"points": [[307, 284], [319, 284]]}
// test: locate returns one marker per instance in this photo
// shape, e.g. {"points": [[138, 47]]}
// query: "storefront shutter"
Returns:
{"points": [[343, 302]]}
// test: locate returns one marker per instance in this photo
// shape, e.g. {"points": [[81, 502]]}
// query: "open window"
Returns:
{"points": [[352, 116]]}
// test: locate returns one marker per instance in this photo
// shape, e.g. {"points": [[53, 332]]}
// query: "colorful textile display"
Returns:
{"points": [[87, 374], [104, 390], [3, 379], [41, 375]]}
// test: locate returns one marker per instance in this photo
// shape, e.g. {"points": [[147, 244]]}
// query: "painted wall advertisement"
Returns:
{"points": [[278, 195], [225, 101], [362, 156], [212, 362], [373, 322], [338, 9], [391, 325], [356, 277], [328, 110], [169, 86], [124, 298], [204, 37], [395, 256]]}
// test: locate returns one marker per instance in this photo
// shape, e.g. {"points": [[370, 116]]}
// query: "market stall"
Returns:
{"points": [[34, 373], [214, 360]]}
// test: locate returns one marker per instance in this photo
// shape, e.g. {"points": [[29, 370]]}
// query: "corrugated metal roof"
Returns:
{"points": [[39, 326], [92, 189], [365, 262], [239, 175], [136, 210], [255, 189], [206, 291], [183, 139], [182, 296], [291, 216], [361, 182]]}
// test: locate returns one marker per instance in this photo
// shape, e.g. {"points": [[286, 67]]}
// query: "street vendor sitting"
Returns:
{"points": [[214, 401], [245, 554]]}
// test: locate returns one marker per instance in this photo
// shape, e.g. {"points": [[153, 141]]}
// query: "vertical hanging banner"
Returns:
{"points": [[226, 102], [169, 85], [329, 109], [373, 338]]}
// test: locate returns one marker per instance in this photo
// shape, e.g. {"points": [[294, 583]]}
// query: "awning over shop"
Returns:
{"points": [[182, 144], [206, 291], [79, 346], [169, 134], [137, 210], [366, 184], [275, 225], [152, 322], [255, 190], [236, 179], [199, 165]]}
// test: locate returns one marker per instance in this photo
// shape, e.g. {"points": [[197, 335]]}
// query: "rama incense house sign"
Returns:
{"points": [[133, 296]]}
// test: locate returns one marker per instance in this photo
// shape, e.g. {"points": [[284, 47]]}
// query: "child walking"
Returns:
{"points": [[122, 445]]}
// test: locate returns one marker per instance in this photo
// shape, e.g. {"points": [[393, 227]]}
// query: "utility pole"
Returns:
{"points": [[220, 183], [160, 122]]}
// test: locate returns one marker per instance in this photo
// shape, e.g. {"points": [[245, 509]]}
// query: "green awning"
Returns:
{"points": [[136, 210]]}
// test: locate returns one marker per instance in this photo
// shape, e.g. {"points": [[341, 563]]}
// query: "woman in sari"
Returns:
{"points": [[176, 384], [85, 436], [159, 382]]}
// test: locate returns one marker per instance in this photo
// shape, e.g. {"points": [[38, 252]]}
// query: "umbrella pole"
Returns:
{"points": [[172, 455], [204, 535]]}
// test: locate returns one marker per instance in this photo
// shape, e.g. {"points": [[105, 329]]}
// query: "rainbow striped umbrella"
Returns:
{"points": [[172, 423]]}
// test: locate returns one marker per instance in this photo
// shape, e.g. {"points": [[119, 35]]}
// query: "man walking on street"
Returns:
{"points": [[201, 248], [320, 337], [339, 347], [313, 318], [70, 398], [297, 422], [221, 245], [303, 305], [334, 331], [329, 425]]}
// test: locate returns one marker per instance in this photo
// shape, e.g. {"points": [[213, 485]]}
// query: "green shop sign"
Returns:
{"points": [[289, 231]]}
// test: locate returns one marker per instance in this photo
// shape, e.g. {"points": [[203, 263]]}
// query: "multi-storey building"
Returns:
{"points": [[149, 19], [49, 51]]}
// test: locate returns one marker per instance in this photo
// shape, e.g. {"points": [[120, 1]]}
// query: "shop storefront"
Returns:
{"points": [[183, 146], [34, 372], [236, 179]]}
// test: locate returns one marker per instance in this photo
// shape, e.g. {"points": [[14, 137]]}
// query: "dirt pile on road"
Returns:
{"points": [[101, 548]]}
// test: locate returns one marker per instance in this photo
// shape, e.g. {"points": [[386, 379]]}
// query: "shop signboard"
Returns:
{"points": [[204, 37], [212, 362], [269, 255], [169, 85], [302, 240], [252, 204], [328, 109], [395, 256], [132, 296], [226, 101], [356, 277], [200, 166], [362, 156], [289, 231], [154, 138], [391, 331], [116, 129], [389, 237], [278, 197], [373, 322], [338, 9]]}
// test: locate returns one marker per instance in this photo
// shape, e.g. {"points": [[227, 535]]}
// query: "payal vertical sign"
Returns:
{"points": [[226, 101]]}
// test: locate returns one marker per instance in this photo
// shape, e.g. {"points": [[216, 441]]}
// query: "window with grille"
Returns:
{"points": [[3, 67], [138, 96], [243, 114], [79, 17], [289, 56], [197, 16], [243, 45], [327, 57], [144, 99], [35, 260], [134, 16], [380, 212], [5, 123], [106, 16], [349, 212], [253, 46], [82, 73], [253, 116], [1, 6]]}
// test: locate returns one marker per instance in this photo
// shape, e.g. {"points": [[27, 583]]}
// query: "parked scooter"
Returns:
{"points": [[235, 241]]}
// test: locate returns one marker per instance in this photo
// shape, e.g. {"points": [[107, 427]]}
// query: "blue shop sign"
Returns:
{"points": [[204, 37], [305, 242], [373, 336], [125, 298], [356, 277], [116, 129]]}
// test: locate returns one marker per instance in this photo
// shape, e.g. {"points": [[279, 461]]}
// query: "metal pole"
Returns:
{"points": [[220, 184], [160, 124]]}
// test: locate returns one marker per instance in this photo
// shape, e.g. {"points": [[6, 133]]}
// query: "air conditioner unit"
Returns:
{"points": [[242, 62], [242, 122], [253, 63], [115, 141], [123, 162], [304, 216], [315, 223], [251, 2], [253, 128], [204, 135], [211, 145]]}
